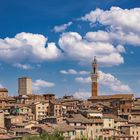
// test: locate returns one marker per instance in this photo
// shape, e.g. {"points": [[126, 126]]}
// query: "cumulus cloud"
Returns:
{"points": [[70, 71], [62, 27], [23, 66], [83, 80], [77, 48], [117, 18], [73, 72], [114, 37], [122, 25], [27, 46], [39, 84], [113, 83], [107, 80], [1, 86], [82, 94]]}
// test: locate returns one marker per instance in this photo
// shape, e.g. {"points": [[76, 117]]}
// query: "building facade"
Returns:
{"points": [[2, 119], [24, 86], [3, 93]]}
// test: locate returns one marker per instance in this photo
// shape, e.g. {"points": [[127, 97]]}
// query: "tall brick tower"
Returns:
{"points": [[94, 78]]}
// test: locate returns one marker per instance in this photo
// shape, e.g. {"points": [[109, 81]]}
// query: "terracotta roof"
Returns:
{"points": [[3, 130], [79, 127], [44, 127], [98, 121], [7, 136], [127, 125], [26, 124], [124, 136], [134, 122], [78, 118], [25, 130], [115, 117], [135, 113], [56, 101], [63, 127], [104, 104], [3, 90], [114, 96], [91, 111]]}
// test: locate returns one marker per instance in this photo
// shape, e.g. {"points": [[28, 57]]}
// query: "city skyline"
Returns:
{"points": [[54, 43]]}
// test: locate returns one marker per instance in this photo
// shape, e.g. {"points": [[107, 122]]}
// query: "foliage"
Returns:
{"points": [[46, 136]]}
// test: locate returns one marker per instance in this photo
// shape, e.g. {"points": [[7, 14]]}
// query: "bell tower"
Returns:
{"points": [[94, 78]]}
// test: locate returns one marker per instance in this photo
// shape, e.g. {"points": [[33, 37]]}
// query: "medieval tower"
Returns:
{"points": [[94, 78]]}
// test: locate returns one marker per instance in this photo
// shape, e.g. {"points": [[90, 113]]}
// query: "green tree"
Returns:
{"points": [[45, 136]]}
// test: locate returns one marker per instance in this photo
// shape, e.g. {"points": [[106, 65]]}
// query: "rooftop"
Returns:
{"points": [[114, 96], [3, 90]]}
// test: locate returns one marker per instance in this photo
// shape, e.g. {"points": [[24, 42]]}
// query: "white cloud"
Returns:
{"points": [[82, 94], [107, 80], [112, 82], [122, 25], [119, 19], [83, 80], [1, 86], [23, 66], [70, 71], [83, 72], [114, 37], [73, 72], [62, 28], [27, 46], [39, 84], [77, 48]]}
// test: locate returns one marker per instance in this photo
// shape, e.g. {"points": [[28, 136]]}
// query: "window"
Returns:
{"points": [[127, 110], [109, 138], [123, 102], [96, 130], [100, 138], [73, 133], [68, 133], [91, 132], [137, 132], [122, 110], [133, 132], [109, 125], [81, 132]]}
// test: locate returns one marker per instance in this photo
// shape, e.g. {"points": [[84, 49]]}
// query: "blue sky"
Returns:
{"points": [[54, 42]]}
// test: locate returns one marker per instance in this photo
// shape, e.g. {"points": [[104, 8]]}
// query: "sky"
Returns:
{"points": [[54, 42]]}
